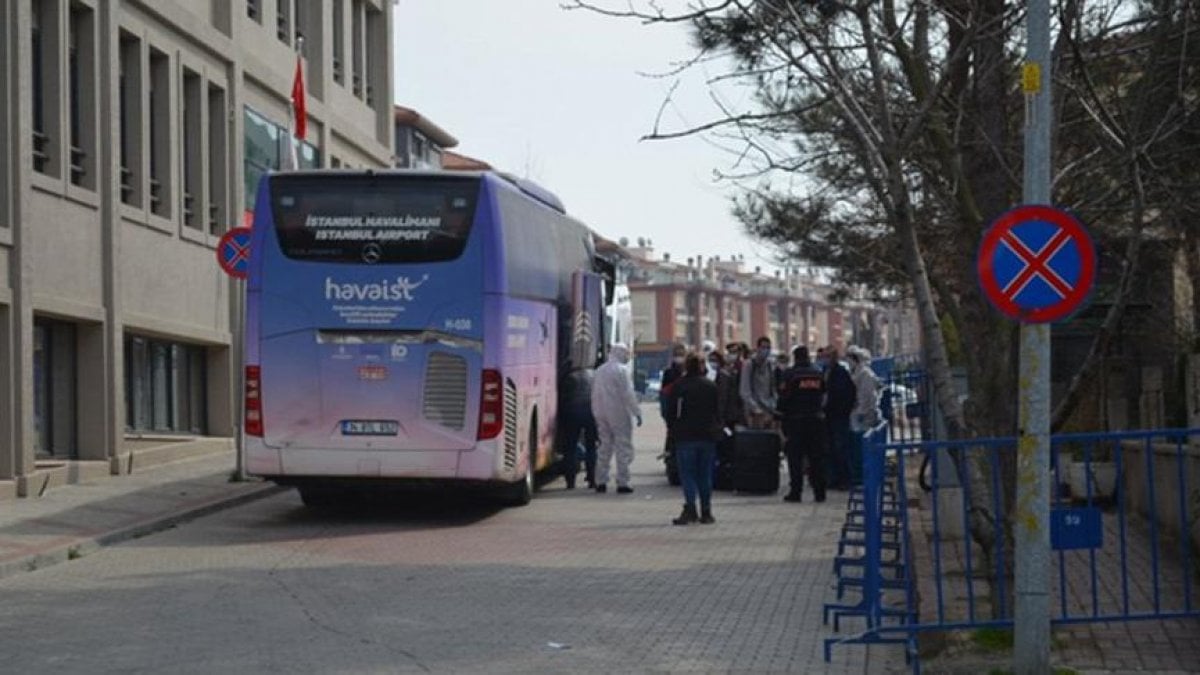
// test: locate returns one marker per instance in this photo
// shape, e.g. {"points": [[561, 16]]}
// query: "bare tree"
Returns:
{"points": [[884, 136]]}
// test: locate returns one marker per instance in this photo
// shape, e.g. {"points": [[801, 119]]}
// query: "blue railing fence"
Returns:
{"points": [[907, 403], [1122, 509]]}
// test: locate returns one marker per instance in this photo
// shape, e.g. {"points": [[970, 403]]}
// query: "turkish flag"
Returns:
{"points": [[298, 107]]}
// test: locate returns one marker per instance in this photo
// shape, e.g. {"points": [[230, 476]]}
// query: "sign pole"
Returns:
{"points": [[233, 257], [239, 334], [1031, 618]]}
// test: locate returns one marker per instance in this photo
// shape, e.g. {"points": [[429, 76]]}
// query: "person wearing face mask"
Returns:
{"points": [[673, 372], [757, 387], [802, 401], [729, 406], [670, 376], [735, 353], [615, 407]]}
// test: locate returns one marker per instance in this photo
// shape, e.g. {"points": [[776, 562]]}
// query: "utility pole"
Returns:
{"points": [[1031, 617]]}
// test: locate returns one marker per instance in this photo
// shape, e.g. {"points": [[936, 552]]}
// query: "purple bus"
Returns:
{"points": [[412, 327]]}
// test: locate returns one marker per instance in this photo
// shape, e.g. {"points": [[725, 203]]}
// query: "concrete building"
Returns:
{"points": [[132, 135], [420, 144], [723, 301]]}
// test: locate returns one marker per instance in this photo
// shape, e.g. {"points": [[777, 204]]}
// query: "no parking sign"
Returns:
{"points": [[1037, 264], [233, 252]]}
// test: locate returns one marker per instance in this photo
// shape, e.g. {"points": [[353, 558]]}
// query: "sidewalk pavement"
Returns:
{"points": [[73, 520]]}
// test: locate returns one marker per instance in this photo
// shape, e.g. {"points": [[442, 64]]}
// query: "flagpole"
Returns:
{"points": [[296, 108]]}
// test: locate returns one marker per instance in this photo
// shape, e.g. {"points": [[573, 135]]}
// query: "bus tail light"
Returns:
{"points": [[254, 421], [491, 407]]}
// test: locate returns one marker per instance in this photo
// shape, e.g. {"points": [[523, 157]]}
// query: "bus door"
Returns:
{"points": [[586, 343]]}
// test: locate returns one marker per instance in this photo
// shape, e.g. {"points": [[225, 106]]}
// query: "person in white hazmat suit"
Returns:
{"points": [[615, 407]]}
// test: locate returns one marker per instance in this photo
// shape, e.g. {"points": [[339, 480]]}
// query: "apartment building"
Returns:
{"points": [[132, 135], [700, 299], [420, 144]]}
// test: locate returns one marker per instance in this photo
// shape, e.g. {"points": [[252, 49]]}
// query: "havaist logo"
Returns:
{"points": [[399, 289]]}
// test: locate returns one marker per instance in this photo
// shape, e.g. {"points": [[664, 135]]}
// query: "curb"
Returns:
{"points": [[86, 545]]}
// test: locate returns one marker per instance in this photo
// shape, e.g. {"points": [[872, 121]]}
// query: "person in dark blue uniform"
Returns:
{"points": [[802, 406], [576, 423]]}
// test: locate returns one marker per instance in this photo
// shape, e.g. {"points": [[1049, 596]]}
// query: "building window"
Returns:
{"points": [[418, 151], [216, 186], [339, 41], [44, 64], [158, 95], [265, 144], [261, 152], [376, 33], [165, 386], [81, 70], [253, 10], [130, 101], [307, 153], [192, 143], [54, 388], [283, 21], [307, 20], [357, 41], [334, 162]]}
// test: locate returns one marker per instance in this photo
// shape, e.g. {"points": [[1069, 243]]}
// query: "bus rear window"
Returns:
{"points": [[373, 219]]}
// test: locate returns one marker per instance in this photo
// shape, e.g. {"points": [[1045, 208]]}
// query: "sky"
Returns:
{"points": [[563, 97]]}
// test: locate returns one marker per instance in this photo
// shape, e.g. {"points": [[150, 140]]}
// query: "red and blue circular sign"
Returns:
{"points": [[233, 252], [1037, 264]]}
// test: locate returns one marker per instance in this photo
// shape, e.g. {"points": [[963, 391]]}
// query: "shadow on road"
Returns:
{"points": [[403, 510]]}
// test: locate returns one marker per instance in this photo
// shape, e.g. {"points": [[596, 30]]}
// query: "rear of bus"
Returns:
{"points": [[364, 342]]}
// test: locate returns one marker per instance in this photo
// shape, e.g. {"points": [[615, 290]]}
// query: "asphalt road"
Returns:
{"points": [[575, 582]]}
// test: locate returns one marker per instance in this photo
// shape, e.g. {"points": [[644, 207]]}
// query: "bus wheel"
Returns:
{"points": [[521, 493]]}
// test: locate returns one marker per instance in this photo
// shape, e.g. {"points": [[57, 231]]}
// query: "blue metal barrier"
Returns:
{"points": [[1105, 531], [906, 402], [877, 506]]}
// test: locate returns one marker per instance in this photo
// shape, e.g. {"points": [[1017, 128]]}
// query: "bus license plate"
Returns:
{"points": [[370, 427]]}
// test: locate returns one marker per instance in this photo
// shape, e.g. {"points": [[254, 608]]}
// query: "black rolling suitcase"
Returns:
{"points": [[756, 461]]}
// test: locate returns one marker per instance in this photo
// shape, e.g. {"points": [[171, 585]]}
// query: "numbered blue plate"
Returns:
{"points": [[370, 427], [1076, 528]]}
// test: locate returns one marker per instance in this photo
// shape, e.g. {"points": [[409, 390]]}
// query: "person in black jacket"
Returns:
{"points": [[670, 375], [729, 401], [575, 422], [729, 409], [802, 403], [696, 425], [839, 403]]}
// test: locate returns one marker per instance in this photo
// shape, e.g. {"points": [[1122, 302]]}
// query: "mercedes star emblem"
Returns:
{"points": [[371, 253]]}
